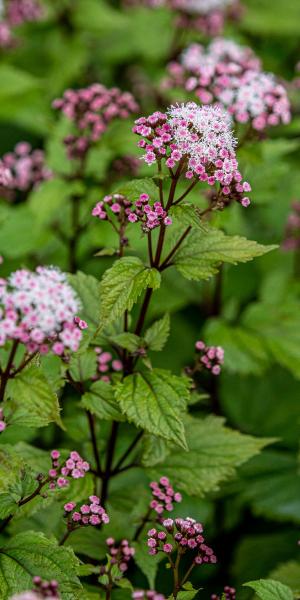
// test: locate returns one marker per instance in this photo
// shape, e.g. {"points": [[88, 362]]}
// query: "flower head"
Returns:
{"points": [[38, 310], [163, 495], [210, 358]]}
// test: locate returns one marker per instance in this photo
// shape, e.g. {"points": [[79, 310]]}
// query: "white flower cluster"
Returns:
{"points": [[38, 309]]}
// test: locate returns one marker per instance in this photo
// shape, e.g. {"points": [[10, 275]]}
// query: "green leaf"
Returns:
{"points": [[187, 594], [214, 453], [268, 589], [47, 199], [187, 214], [129, 341], [157, 335], [100, 401], [289, 574], [145, 562], [201, 254], [87, 288], [30, 400], [32, 553], [11, 465], [133, 189], [83, 365], [155, 401], [121, 286], [155, 450]]}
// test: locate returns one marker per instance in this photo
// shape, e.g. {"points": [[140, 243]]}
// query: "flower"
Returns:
{"points": [[229, 593], [90, 513], [121, 553], [184, 535], [91, 109], [211, 357], [37, 309], [163, 495], [43, 589], [196, 141], [27, 169], [230, 74], [147, 595], [5, 175], [2, 421], [74, 466], [14, 13]]}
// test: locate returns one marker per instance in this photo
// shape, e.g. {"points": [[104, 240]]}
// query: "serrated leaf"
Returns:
{"points": [[289, 574], [121, 285], [129, 341], [187, 214], [30, 400], [157, 335], [154, 450], [11, 465], [201, 254], [155, 401], [133, 189], [87, 288], [107, 252], [214, 453], [268, 589], [83, 365], [101, 402], [32, 553]]}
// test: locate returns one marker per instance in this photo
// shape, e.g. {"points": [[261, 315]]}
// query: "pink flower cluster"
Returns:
{"points": [[292, 230], [198, 141], [163, 496], [183, 534], [211, 357], [74, 467], [229, 593], [2, 422], [87, 514], [14, 13], [147, 595], [26, 167], [121, 553], [207, 16], [106, 364], [116, 204], [5, 175], [38, 309], [91, 109], [231, 75], [149, 216], [43, 589]]}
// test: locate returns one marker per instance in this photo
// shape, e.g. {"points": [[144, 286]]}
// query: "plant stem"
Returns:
{"points": [[94, 443], [187, 191], [65, 537], [127, 452], [6, 373], [143, 311], [166, 263], [24, 363], [109, 460], [176, 586]]}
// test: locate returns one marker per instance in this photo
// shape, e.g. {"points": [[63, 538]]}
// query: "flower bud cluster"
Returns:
{"points": [[147, 595], [91, 109], [211, 357], [26, 167], [163, 496], [231, 75], [14, 13], [229, 593], [292, 230], [91, 513], [116, 204], [5, 175], [183, 535], [199, 142], [74, 467], [120, 553], [150, 216], [106, 364], [38, 309], [2, 421], [43, 589]]}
